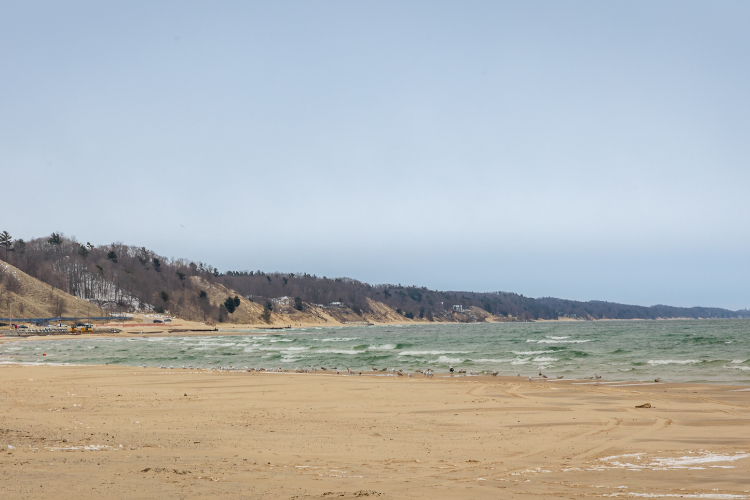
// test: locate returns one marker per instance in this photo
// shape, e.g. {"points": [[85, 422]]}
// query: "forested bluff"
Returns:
{"points": [[119, 278]]}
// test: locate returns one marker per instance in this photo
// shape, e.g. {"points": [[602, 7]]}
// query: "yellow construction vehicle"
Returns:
{"points": [[84, 328]]}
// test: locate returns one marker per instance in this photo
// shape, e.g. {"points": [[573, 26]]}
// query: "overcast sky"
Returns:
{"points": [[584, 150]]}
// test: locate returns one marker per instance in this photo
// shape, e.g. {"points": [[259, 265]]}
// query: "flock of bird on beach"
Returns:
{"points": [[427, 373]]}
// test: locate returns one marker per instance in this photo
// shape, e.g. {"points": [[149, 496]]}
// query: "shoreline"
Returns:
{"points": [[406, 375], [157, 433]]}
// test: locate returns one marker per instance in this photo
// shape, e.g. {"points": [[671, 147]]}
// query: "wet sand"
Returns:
{"points": [[119, 432]]}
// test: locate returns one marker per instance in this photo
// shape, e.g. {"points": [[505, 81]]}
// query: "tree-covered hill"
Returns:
{"points": [[121, 278]]}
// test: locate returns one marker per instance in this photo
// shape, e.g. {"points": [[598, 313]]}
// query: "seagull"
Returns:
{"points": [[374, 369], [530, 379], [597, 376], [451, 369], [494, 374], [559, 376], [657, 379]]}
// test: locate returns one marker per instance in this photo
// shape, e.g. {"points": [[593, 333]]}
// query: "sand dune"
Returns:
{"points": [[31, 298], [118, 432]]}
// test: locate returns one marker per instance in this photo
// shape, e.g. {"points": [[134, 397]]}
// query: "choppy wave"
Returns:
{"points": [[383, 347], [338, 351], [429, 353], [654, 362], [695, 351], [552, 341], [446, 360]]}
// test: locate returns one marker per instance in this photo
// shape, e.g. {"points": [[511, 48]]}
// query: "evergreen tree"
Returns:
{"points": [[6, 240], [83, 252], [266, 316], [55, 239]]}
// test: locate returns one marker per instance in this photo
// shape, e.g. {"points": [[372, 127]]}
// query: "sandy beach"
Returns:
{"points": [[123, 432]]}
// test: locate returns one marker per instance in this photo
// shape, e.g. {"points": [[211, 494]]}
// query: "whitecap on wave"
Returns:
{"points": [[447, 360], [654, 362], [290, 359], [216, 344], [553, 341], [338, 351], [384, 347], [430, 353]]}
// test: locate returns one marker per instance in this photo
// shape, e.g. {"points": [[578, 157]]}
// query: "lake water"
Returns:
{"points": [[714, 351]]}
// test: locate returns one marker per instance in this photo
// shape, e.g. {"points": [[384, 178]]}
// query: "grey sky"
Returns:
{"points": [[585, 150]]}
